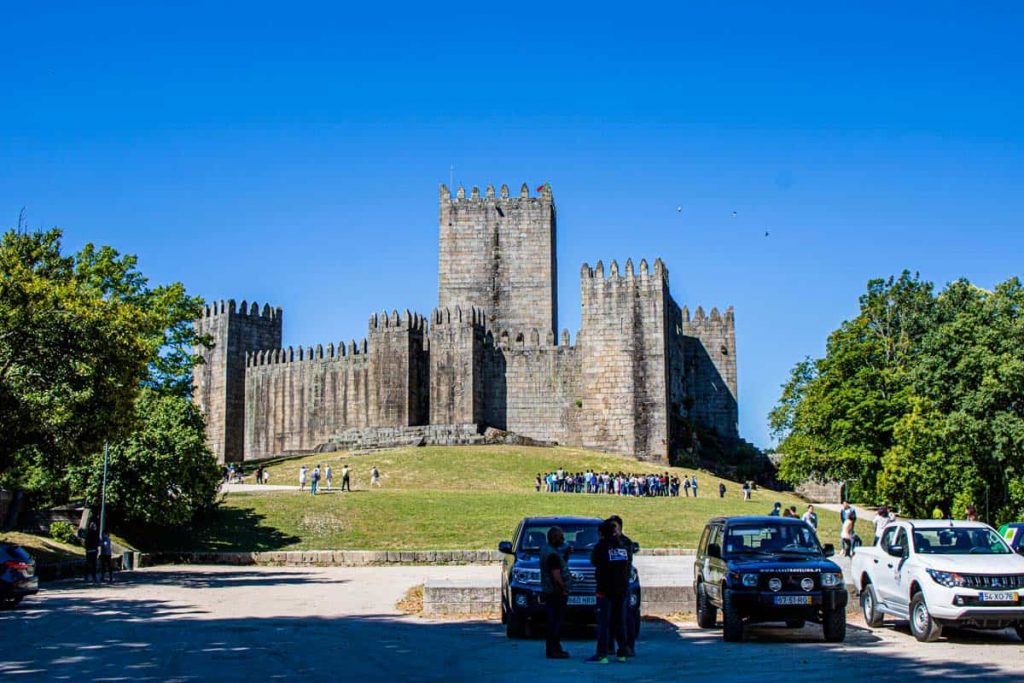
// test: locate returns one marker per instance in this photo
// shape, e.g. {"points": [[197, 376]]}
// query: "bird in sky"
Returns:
{"points": [[765, 233], [734, 214], [679, 209]]}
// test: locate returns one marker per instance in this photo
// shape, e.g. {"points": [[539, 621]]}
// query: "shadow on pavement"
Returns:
{"points": [[185, 578], [76, 637]]}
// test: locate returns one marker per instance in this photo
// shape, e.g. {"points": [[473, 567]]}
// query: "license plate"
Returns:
{"points": [[998, 597], [582, 600], [794, 600]]}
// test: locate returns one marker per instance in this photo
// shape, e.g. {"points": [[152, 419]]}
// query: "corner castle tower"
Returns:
{"points": [[497, 253]]}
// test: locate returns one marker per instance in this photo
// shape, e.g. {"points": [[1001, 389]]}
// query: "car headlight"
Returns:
{"points": [[522, 575], [947, 579], [749, 580], [831, 580]]}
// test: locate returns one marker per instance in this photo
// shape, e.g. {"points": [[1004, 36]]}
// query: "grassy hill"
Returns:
{"points": [[43, 549], [461, 497]]}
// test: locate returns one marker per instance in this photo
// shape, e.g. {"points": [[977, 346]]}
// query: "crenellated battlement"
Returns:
{"points": [[456, 315], [643, 275], [229, 307], [413, 322], [307, 354], [709, 321], [490, 197]]}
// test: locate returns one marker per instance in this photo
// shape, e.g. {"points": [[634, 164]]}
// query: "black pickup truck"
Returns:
{"points": [[763, 569]]}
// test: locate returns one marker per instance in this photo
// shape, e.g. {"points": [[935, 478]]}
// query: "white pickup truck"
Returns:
{"points": [[938, 573]]}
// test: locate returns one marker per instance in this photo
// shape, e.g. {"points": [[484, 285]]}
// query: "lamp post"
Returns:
{"points": [[103, 494]]}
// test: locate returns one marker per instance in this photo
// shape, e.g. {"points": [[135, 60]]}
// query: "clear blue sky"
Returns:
{"points": [[291, 152]]}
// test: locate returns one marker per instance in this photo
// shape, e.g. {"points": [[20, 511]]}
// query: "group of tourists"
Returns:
{"points": [[326, 475], [612, 558], [616, 483]]}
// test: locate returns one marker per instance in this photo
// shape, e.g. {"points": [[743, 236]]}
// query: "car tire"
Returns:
{"points": [[869, 606], [636, 625], [795, 623], [833, 625], [922, 624], [504, 612], [11, 603], [515, 626], [707, 614], [1019, 628], [732, 621]]}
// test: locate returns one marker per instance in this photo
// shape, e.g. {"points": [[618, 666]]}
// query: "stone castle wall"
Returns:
{"points": [[486, 357], [497, 253]]}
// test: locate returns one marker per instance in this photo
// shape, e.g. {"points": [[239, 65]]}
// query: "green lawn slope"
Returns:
{"points": [[464, 497]]}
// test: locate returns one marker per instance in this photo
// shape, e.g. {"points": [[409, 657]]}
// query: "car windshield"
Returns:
{"points": [[579, 535], [959, 541], [754, 539]]}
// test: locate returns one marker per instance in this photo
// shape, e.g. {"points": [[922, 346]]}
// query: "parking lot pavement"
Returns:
{"points": [[195, 623]]}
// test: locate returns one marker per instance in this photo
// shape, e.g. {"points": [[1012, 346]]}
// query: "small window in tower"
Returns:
{"points": [[724, 350]]}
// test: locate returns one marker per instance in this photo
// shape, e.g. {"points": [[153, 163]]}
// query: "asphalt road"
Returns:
{"points": [[196, 623]]}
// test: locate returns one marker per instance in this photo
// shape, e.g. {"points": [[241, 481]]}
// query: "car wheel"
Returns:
{"points": [[515, 626], [833, 625], [795, 623], [732, 621], [869, 605], [11, 603], [707, 614], [1019, 628], [922, 625], [636, 625]]}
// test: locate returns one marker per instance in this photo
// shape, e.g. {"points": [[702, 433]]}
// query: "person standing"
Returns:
{"points": [[92, 549], [611, 564], [346, 484], [721, 490], [746, 490], [693, 485], [302, 478], [776, 510], [627, 614], [881, 519], [686, 485], [328, 475], [374, 476], [314, 480], [971, 514], [846, 535], [810, 517], [554, 585], [106, 557]]}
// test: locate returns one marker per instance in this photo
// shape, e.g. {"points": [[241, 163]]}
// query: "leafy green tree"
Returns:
{"points": [[161, 475]]}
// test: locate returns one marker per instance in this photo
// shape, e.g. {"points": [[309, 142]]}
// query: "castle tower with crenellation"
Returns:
{"points": [[497, 253], [642, 375]]}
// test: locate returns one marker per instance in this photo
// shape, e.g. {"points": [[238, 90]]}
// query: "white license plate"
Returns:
{"points": [[794, 600], [582, 600], [1006, 596]]}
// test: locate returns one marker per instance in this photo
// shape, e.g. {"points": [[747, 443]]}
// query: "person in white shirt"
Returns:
{"points": [[302, 477], [327, 475], [811, 517]]}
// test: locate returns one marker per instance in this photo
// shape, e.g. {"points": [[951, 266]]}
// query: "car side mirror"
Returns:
{"points": [[636, 548], [896, 550], [714, 550], [829, 550], [505, 547]]}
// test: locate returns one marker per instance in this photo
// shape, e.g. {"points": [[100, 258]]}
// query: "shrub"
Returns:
{"points": [[65, 532]]}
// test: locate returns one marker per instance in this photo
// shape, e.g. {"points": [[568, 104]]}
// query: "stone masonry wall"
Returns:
{"points": [[624, 363], [497, 253], [709, 352], [455, 346], [219, 383], [398, 368], [298, 400]]}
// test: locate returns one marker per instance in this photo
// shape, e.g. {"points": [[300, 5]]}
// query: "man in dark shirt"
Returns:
{"points": [[611, 561], [555, 589], [92, 551], [629, 645]]}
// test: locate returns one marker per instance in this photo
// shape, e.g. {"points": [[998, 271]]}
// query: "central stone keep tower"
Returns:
{"points": [[497, 253]]}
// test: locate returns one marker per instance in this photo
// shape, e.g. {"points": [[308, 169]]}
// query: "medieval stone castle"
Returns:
{"points": [[643, 370]]}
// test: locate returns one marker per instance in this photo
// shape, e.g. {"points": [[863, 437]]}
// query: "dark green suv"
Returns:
{"points": [[762, 569]]}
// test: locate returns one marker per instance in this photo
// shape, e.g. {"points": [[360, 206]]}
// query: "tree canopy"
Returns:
{"points": [[918, 401], [81, 337]]}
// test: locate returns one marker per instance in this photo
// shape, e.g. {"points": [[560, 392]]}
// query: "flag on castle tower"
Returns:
{"points": [[544, 186]]}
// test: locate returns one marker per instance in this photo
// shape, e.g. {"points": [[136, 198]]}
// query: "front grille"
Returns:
{"points": [[586, 584], [994, 582], [790, 582]]}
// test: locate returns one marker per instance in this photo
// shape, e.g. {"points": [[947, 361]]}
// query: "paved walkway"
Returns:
{"points": [[222, 623]]}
